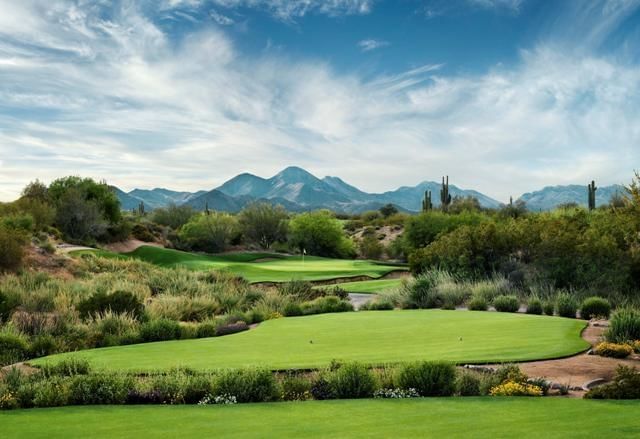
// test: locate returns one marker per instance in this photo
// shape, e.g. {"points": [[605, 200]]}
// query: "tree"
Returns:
{"points": [[12, 242], [263, 224], [36, 190], [319, 233], [210, 233], [388, 209], [461, 204], [173, 216], [370, 246], [100, 193], [78, 217]]}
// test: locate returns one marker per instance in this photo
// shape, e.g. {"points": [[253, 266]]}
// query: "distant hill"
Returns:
{"points": [[553, 196], [298, 190]]}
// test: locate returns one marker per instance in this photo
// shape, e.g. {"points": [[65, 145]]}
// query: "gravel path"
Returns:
{"points": [[357, 299]]}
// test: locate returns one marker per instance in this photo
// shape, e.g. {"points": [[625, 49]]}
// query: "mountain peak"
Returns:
{"points": [[295, 174]]}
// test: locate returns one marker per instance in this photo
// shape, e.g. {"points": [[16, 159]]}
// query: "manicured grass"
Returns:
{"points": [[258, 267], [378, 286], [425, 417], [373, 337]]}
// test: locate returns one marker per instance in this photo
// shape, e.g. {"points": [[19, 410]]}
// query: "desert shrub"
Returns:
{"points": [[542, 383], [299, 289], [635, 345], [428, 378], [548, 307], [247, 385], [320, 234], [478, 304], [566, 305], [614, 350], [231, 328], [392, 393], [534, 306], [119, 302], [295, 388], [43, 345], [327, 304], [292, 309], [38, 323], [53, 392], [625, 385], [178, 386], [624, 326], [160, 330], [13, 348], [207, 329], [468, 384], [381, 304], [321, 389], [511, 372], [103, 388], [595, 307], [66, 367], [8, 399], [511, 388], [421, 292], [211, 233], [490, 289], [352, 380], [112, 329], [506, 303], [451, 294], [12, 242], [9, 301]]}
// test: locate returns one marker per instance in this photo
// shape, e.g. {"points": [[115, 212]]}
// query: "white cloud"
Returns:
{"points": [[222, 20], [143, 111], [512, 5], [371, 44], [290, 9]]}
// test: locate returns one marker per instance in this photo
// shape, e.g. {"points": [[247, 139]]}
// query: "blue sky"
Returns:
{"points": [[505, 96]]}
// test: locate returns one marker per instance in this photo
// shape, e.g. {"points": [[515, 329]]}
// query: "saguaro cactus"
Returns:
{"points": [[592, 194], [427, 205], [141, 208], [445, 196]]}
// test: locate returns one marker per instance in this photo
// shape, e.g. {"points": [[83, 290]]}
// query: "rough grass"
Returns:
{"points": [[432, 417], [278, 268], [372, 337]]}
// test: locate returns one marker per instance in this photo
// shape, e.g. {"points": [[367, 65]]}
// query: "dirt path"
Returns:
{"points": [[580, 369]]}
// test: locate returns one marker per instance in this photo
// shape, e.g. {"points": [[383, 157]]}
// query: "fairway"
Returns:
{"points": [[258, 267], [424, 417], [372, 337], [378, 286]]}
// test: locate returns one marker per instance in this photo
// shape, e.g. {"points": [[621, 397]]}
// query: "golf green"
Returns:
{"points": [[373, 337], [258, 267], [374, 418]]}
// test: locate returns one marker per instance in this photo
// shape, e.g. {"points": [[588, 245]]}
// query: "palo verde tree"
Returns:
{"points": [[319, 233], [263, 224]]}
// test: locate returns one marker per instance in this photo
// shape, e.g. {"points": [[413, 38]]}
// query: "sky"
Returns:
{"points": [[504, 96]]}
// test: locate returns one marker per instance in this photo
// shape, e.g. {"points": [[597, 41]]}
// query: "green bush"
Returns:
{"points": [[160, 330], [295, 388], [67, 367], [299, 289], [103, 388], [506, 304], [327, 304], [206, 329], [231, 328], [478, 304], [13, 348], [352, 380], [53, 392], [247, 385], [566, 305], [624, 326], [43, 345], [468, 384], [118, 302], [534, 306], [382, 304], [625, 385], [8, 303], [595, 307], [428, 378], [292, 309], [422, 291], [548, 307]]}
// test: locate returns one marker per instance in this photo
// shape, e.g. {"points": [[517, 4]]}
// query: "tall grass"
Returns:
{"points": [[624, 326]]}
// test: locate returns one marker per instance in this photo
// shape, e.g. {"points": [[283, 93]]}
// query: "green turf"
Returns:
{"points": [[378, 286], [373, 337], [549, 417], [254, 267]]}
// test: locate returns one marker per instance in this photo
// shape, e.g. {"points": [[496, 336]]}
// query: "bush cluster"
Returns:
{"points": [[506, 303], [613, 350]]}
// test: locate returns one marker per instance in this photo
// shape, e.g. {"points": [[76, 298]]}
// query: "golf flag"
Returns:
{"points": [[304, 251]]}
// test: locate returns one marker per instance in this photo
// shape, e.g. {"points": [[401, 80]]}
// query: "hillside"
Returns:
{"points": [[553, 196]]}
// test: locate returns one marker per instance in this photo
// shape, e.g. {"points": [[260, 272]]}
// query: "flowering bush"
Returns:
{"points": [[396, 393], [614, 350], [220, 399], [511, 388]]}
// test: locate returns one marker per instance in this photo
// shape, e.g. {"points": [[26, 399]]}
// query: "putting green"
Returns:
{"points": [[258, 267], [423, 417], [372, 337]]}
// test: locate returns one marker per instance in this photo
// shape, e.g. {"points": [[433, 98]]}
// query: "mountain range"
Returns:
{"points": [[298, 190]]}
